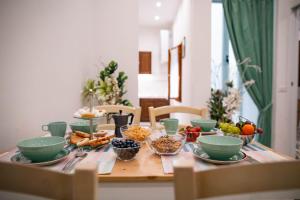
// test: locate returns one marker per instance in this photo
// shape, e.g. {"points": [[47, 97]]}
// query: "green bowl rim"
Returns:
{"points": [[63, 141], [236, 138], [205, 121], [77, 124]]}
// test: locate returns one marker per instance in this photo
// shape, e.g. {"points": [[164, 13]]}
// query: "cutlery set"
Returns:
{"points": [[79, 156]]}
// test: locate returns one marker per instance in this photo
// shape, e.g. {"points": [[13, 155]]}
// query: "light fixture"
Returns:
{"points": [[158, 4], [156, 17]]}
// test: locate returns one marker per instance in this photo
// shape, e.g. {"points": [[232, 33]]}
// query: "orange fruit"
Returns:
{"points": [[248, 129]]}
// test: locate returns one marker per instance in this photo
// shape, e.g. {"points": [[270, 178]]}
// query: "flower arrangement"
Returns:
{"points": [[108, 89], [223, 104]]}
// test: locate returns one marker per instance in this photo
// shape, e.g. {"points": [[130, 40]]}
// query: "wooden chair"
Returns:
{"points": [[153, 112], [233, 180], [115, 109], [50, 184]]}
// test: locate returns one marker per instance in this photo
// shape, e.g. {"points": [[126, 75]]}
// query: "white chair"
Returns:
{"points": [[41, 182], [136, 111], [154, 112], [233, 180]]}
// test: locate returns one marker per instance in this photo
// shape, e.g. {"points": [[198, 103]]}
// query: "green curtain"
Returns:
{"points": [[250, 27]]}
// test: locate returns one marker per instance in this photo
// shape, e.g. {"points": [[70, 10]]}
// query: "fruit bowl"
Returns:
{"points": [[246, 138], [191, 133], [244, 129], [125, 149]]}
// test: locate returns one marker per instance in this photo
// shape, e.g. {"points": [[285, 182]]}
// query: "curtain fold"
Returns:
{"points": [[250, 27]]}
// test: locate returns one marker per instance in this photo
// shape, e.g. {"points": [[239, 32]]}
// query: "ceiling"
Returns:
{"points": [[167, 12]]}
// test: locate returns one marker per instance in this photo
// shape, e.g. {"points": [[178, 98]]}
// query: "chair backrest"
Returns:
{"points": [[232, 180], [47, 183], [154, 112], [115, 109]]}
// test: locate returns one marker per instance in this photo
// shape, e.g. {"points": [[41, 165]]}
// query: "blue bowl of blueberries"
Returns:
{"points": [[125, 149]]}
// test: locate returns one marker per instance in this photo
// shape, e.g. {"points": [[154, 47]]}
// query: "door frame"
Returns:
{"points": [[285, 81]]}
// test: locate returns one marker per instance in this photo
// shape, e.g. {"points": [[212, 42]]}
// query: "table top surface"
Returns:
{"points": [[146, 167]]}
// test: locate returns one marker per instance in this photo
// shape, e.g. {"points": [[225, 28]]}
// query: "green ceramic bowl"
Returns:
{"points": [[82, 126], [220, 147], [205, 124], [41, 149]]}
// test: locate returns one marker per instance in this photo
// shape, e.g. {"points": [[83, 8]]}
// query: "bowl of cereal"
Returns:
{"points": [[135, 132], [165, 145]]}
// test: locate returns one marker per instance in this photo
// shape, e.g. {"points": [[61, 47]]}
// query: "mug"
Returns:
{"points": [[56, 128], [170, 124]]}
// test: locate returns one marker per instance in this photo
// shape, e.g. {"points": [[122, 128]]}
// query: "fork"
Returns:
{"points": [[80, 154]]}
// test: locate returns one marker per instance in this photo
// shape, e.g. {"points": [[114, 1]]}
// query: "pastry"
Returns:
{"points": [[98, 143], [83, 142], [82, 134], [88, 115], [101, 133], [74, 139]]}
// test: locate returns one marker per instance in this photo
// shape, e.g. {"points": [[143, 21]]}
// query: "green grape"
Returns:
{"points": [[238, 130]]}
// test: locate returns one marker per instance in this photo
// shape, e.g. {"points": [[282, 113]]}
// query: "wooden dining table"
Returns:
{"points": [[144, 176]]}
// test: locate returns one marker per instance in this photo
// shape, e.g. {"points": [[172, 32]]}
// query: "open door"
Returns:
{"points": [[175, 73]]}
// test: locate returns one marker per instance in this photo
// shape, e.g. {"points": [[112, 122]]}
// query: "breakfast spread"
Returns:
{"points": [[136, 132], [86, 113], [166, 144]]}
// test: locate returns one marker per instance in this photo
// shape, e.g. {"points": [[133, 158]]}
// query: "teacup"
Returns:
{"points": [[170, 124], [56, 128]]}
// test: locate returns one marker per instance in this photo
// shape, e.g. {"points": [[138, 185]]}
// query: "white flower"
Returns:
{"points": [[249, 83], [231, 102]]}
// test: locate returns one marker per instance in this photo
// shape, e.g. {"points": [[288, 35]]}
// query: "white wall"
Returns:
{"points": [[49, 48], [193, 22], [116, 37], [154, 84], [285, 72]]}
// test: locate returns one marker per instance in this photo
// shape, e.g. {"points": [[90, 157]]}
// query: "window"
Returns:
{"points": [[223, 64]]}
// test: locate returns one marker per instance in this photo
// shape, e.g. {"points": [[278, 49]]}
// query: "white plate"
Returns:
{"points": [[21, 159], [199, 153]]}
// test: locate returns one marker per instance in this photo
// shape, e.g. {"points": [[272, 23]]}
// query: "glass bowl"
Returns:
{"points": [[246, 138], [135, 132], [125, 153], [166, 145]]}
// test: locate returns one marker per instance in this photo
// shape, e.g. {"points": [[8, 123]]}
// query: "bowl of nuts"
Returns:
{"points": [[167, 144], [125, 149]]}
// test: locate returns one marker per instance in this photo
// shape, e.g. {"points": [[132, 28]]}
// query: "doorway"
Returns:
{"points": [[155, 39]]}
